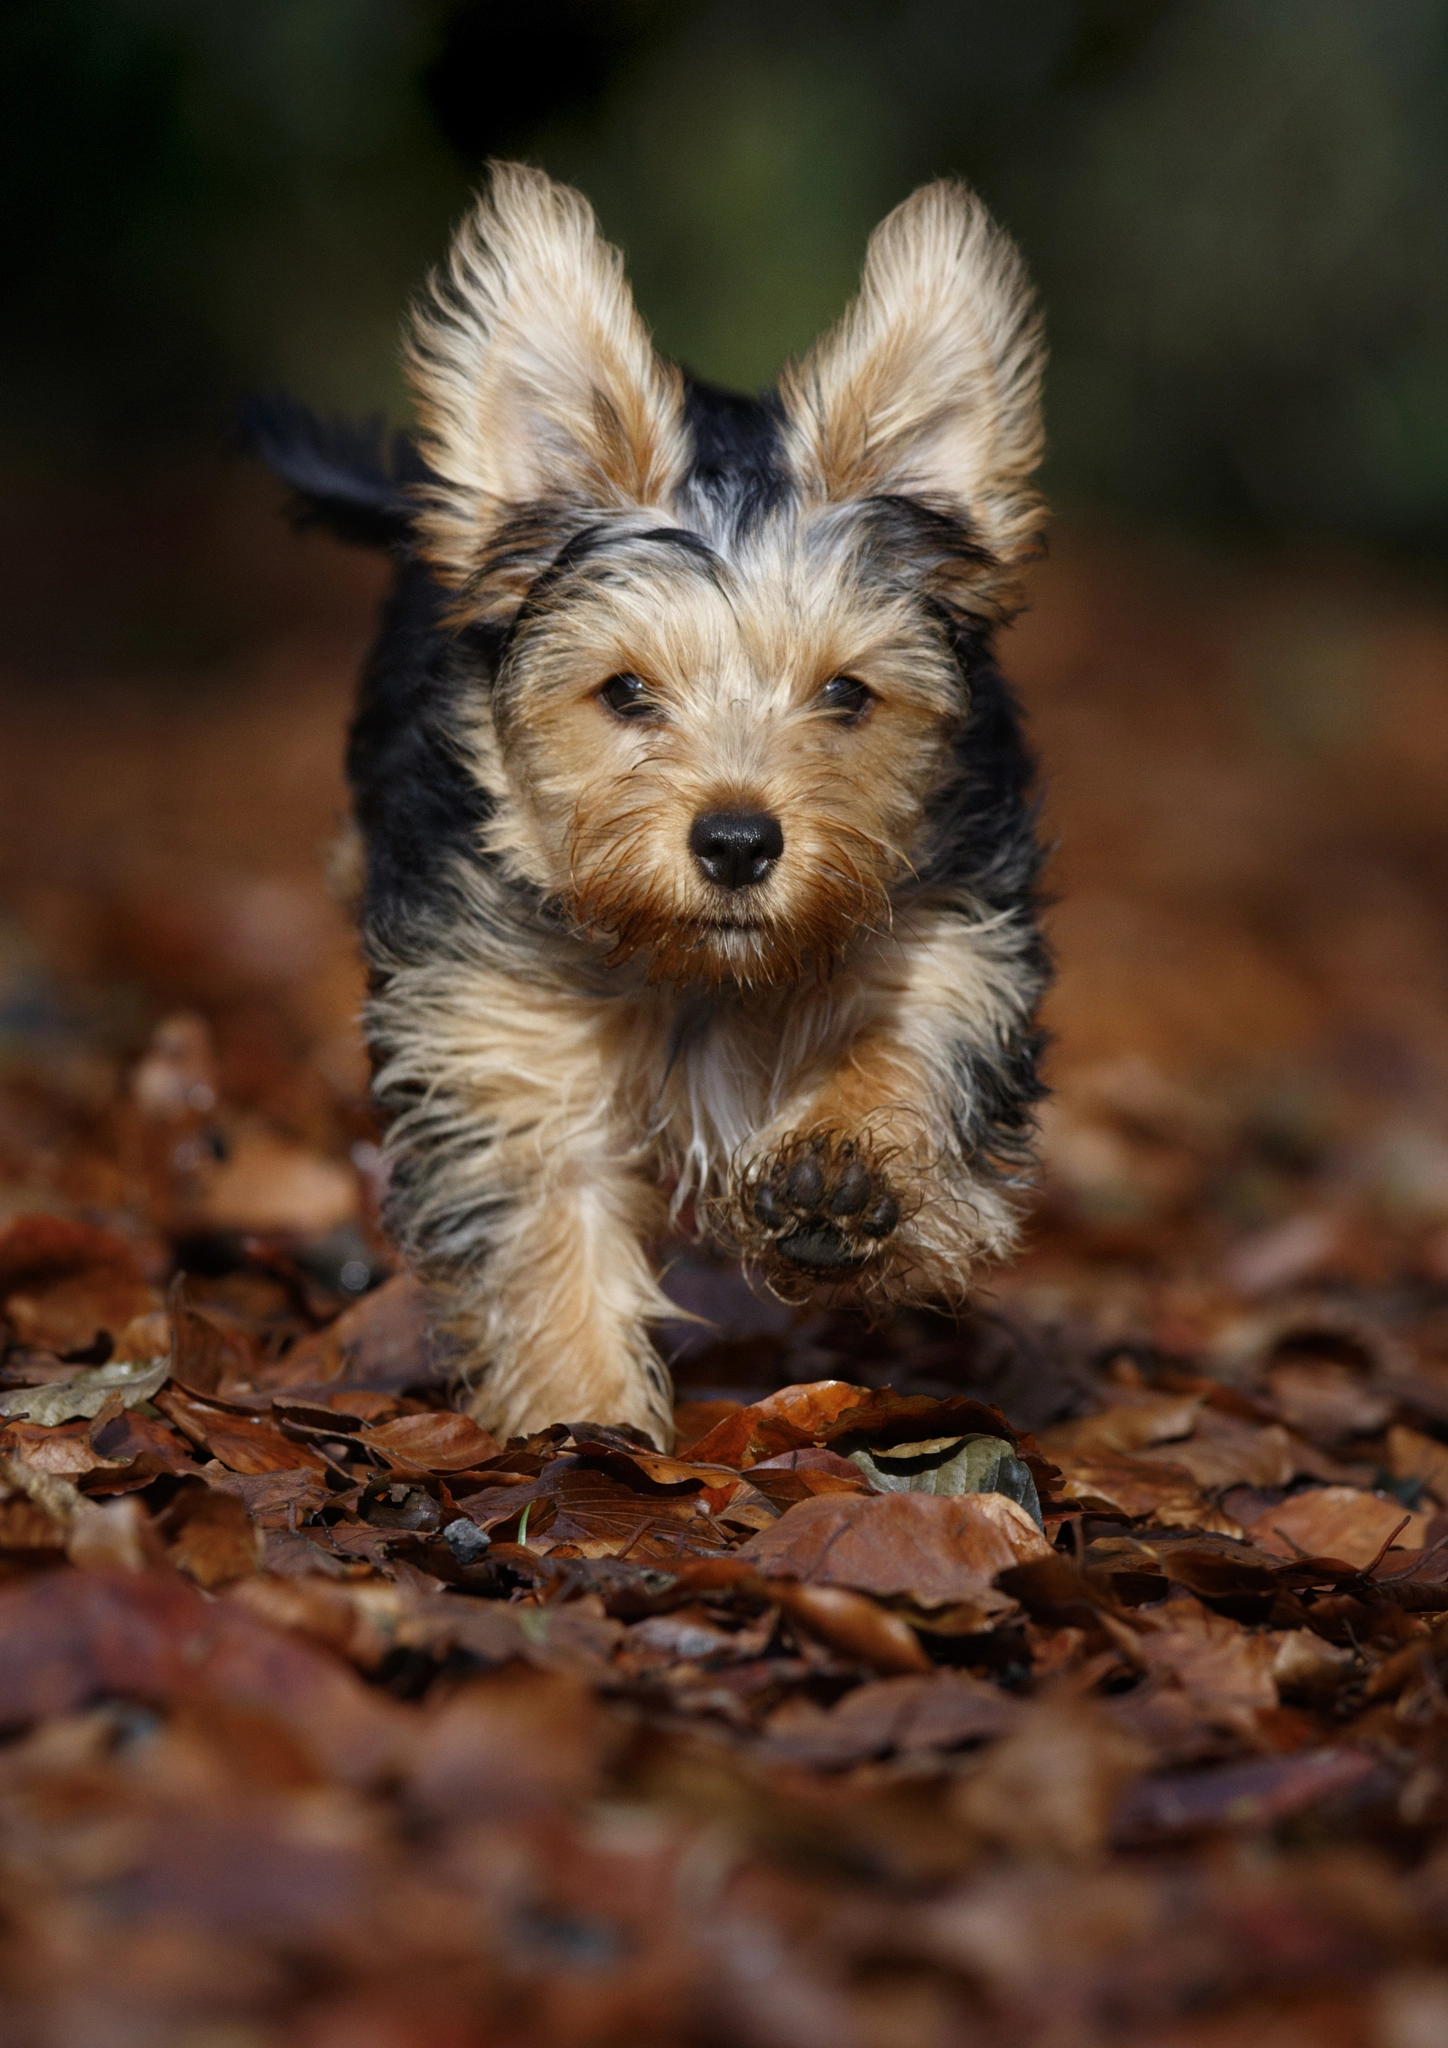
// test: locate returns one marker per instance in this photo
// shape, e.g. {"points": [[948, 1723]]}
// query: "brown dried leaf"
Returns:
{"points": [[904, 1715], [439, 1441], [210, 1536], [1326, 1399], [65, 1449], [1051, 1786], [596, 1515], [1411, 1455], [1337, 1521], [358, 1620], [137, 1448], [1250, 1795], [785, 1421], [207, 1357], [63, 1284], [933, 1548], [274, 1500], [1140, 1488], [1226, 1669], [1228, 1452], [508, 1743], [241, 1442], [694, 1419], [68, 1316], [150, 1636], [854, 1627], [117, 1535], [786, 1489], [1153, 1419], [267, 1183], [380, 1342]]}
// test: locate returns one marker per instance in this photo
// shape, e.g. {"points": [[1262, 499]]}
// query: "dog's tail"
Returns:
{"points": [[350, 476]]}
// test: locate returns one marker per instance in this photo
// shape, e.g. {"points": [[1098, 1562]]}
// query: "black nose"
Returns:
{"points": [[736, 848]]}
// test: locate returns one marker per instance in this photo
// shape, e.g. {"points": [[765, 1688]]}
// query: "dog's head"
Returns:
{"points": [[728, 684]]}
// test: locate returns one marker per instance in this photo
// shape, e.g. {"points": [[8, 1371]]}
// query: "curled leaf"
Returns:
{"points": [[964, 1464], [86, 1393]]}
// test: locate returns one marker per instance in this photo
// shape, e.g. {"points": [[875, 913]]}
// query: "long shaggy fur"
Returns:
{"points": [[628, 604]]}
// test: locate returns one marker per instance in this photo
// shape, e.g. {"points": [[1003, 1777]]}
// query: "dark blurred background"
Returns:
{"points": [[1237, 210]]}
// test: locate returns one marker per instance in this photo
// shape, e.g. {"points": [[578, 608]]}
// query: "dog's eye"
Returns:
{"points": [[626, 697], [848, 698]]}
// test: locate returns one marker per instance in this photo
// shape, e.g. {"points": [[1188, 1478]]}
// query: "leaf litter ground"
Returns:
{"points": [[328, 1719]]}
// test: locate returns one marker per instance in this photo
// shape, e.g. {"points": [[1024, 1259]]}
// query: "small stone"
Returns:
{"points": [[466, 1540]]}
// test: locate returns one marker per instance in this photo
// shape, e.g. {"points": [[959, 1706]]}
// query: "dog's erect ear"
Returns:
{"points": [[535, 380], [929, 387]]}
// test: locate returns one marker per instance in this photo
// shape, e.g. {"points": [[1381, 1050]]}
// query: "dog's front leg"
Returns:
{"points": [[891, 1173], [515, 1195], [558, 1313]]}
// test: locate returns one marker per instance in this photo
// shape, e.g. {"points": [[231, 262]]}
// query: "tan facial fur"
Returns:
{"points": [[597, 810]]}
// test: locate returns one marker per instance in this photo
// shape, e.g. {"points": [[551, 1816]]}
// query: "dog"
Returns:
{"points": [[699, 863]]}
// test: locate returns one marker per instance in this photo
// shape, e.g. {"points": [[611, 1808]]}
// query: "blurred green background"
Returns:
{"points": [[1237, 211]]}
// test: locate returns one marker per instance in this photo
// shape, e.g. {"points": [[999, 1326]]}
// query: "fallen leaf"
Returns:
{"points": [[854, 1627], [1255, 1794], [906, 1715], [267, 1183], [86, 1393], [1051, 1786], [207, 1357], [114, 1535], [439, 1441], [1226, 1670], [783, 1489], [1215, 1567], [694, 1419], [1225, 1451], [969, 1464], [1127, 1427], [786, 1421], [933, 1548], [1337, 1521], [1411, 1455], [381, 1342], [139, 1445], [511, 1742], [1140, 1488], [1326, 1399], [65, 1450], [273, 1499], [810, 1458], [596, 1515], [241, 1442], [210, 1536], [1306, 1667], [150, 1636], [64, 1284]]}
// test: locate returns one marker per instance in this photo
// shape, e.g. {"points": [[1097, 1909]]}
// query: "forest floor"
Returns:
{"points": [[329, 1722]]}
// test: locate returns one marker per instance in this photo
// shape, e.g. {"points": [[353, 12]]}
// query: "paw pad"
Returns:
{"points": [[824, 1206]]}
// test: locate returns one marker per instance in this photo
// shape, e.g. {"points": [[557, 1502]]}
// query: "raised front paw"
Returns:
{"points": [[822, 1203]]}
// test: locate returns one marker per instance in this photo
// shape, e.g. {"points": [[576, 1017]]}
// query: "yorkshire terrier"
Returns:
{"points": [[700, 869]]}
